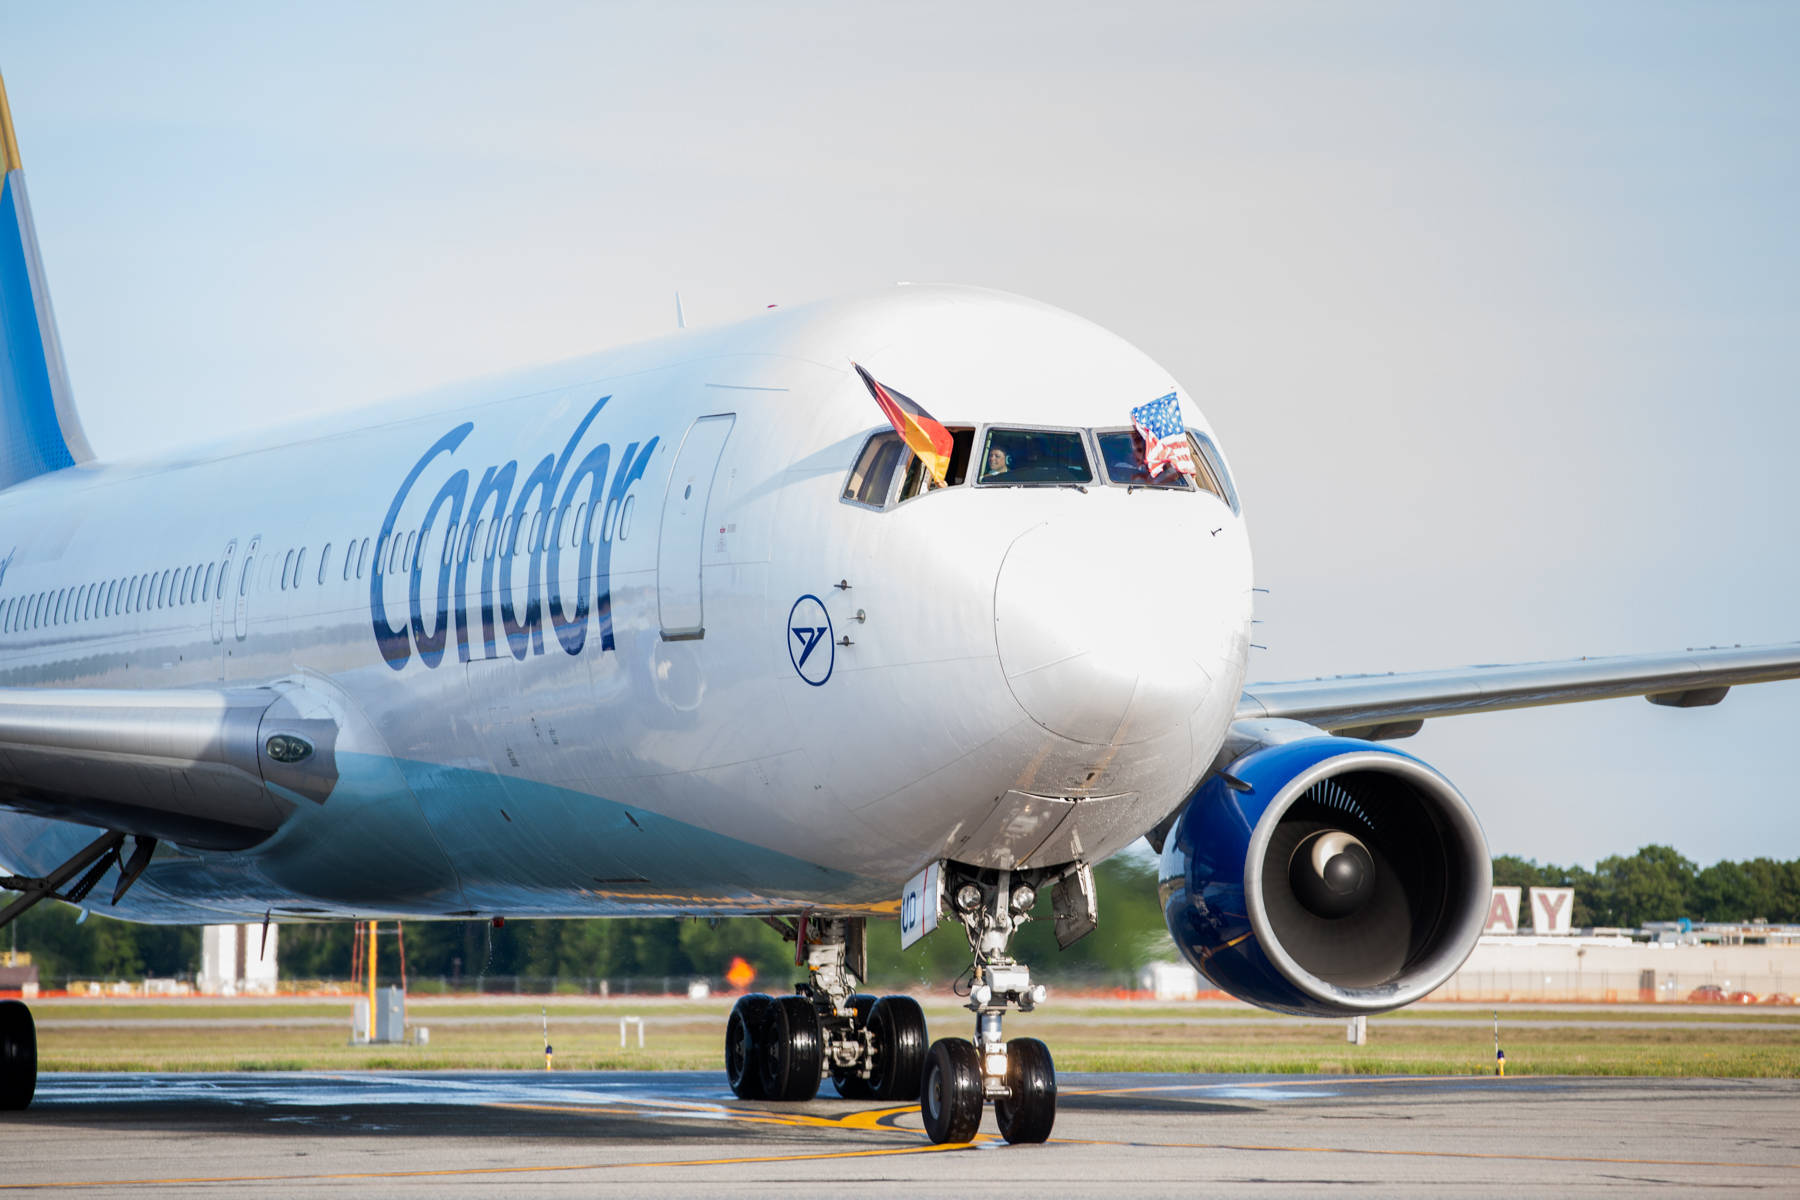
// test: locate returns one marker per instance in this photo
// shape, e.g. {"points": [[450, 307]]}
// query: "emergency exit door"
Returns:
{"points": [[684, 528]]}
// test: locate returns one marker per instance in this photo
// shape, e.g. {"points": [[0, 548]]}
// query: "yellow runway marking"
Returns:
{"points": [[870, 1120]]}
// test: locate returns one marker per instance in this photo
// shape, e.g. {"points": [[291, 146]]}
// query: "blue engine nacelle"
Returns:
{"points": [[1326, 876]]}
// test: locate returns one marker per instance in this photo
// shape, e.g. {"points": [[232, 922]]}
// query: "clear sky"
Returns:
{"points": [[1494, 307]]}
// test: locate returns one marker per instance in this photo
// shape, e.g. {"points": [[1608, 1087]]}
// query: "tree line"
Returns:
{"points": [[1656, 883]]}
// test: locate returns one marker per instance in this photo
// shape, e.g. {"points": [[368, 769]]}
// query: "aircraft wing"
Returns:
{"points": [[189, 765], [1397, 704]]}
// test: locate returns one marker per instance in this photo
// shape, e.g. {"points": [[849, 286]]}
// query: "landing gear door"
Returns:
{"points": [[678, 594]]}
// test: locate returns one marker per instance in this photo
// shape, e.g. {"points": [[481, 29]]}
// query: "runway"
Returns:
{"points": [[682, 1134]]}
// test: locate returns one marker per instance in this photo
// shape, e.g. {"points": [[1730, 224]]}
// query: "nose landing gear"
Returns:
{"points": [[1019, 1076], [783, 1047]]}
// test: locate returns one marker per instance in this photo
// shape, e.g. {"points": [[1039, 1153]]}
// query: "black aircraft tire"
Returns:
{"points": [[792, 1050], [897, 1025], [950, 1091], [1031, 1111], [743, 1043], [18, 1056]]}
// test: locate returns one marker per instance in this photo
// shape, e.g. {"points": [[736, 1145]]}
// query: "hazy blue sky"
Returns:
{"points": [[1494, 308]]}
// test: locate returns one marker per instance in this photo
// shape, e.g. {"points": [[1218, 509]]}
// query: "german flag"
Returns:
{"points": [[916, 427]]}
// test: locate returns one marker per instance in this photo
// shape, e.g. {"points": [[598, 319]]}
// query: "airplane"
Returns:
{"points": [[689, 628]]}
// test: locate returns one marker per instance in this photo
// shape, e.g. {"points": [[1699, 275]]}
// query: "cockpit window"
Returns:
{"points": [[1015, 457], [1208, 455], [1122, 451], [873, 476], [918, 478]]}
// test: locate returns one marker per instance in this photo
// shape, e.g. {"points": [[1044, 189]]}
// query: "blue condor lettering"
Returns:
{"points": [[511, 531]]}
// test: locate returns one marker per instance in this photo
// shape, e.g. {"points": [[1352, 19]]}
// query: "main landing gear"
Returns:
{"points": [[1019, 1076], [782, 1047], [18, 1033], [18, 1056]]}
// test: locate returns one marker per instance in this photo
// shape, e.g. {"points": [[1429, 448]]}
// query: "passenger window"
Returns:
{"points": [[362, 554], [537, 532], [872, 478], [287, 567], [300, 566], [1013, 457]]}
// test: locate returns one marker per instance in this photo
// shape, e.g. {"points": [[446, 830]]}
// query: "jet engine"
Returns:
{"points": [[1325, 876]]}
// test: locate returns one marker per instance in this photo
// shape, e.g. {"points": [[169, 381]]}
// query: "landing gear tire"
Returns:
{"points": [[1029, 1114], [743, 1033], [849, 1083], [950, 1091], [897, 1027], [792, 1050], [18, 1056]]}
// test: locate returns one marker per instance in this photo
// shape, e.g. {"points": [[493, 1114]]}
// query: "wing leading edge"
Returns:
{"points": [[1395, 705]]}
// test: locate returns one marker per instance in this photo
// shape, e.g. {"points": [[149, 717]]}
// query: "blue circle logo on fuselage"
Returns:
{"points": [[809, 643]]}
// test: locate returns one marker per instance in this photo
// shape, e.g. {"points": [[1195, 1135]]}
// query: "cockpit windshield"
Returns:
{"points": [[1022, 457], [1123, 453]]}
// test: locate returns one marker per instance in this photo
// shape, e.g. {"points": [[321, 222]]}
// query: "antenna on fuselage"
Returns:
{"points": [[680, 317]]}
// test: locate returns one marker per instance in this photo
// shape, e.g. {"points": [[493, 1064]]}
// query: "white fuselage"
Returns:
{"points": [[1013, 676]]}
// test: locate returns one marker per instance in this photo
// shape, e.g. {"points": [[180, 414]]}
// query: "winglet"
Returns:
{"points": [[39, 429]]}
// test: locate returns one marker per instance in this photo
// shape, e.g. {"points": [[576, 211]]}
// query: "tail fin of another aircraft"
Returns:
{"points": [[39, 431]]}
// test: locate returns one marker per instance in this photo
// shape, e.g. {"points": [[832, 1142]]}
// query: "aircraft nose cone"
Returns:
{"points": [[1108, 630]]}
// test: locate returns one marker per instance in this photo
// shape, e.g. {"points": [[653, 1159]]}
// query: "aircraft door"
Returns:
{"points": [[243, 588], [220, 591], [684, 527]]}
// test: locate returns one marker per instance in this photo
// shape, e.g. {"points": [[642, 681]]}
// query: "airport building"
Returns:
{"points": [[237, 960], [1530, 951], [1533, 953]]}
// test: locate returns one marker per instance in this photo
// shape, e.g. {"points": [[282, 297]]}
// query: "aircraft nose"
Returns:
{"points": [[1109, 631]]}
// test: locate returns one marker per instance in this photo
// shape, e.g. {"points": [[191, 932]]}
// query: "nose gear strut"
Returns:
{"points": [[1018, 1076]]}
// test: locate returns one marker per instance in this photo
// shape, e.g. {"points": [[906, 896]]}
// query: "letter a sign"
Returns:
{"points": [[1503, 911]]}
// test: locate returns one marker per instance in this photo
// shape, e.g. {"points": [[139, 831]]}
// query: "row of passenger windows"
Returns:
{"points": [[172, 588], [1030, 458], [206, 582]]}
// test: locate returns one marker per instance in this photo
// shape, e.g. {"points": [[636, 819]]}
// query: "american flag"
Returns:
{"points": [[1165, 441]]}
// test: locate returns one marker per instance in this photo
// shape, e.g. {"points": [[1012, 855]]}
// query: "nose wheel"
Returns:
{"points": [[1018, 1076]]}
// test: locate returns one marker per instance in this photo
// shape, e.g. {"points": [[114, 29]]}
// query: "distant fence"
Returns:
{"points": [[1117, 983], [1613, 987]]}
